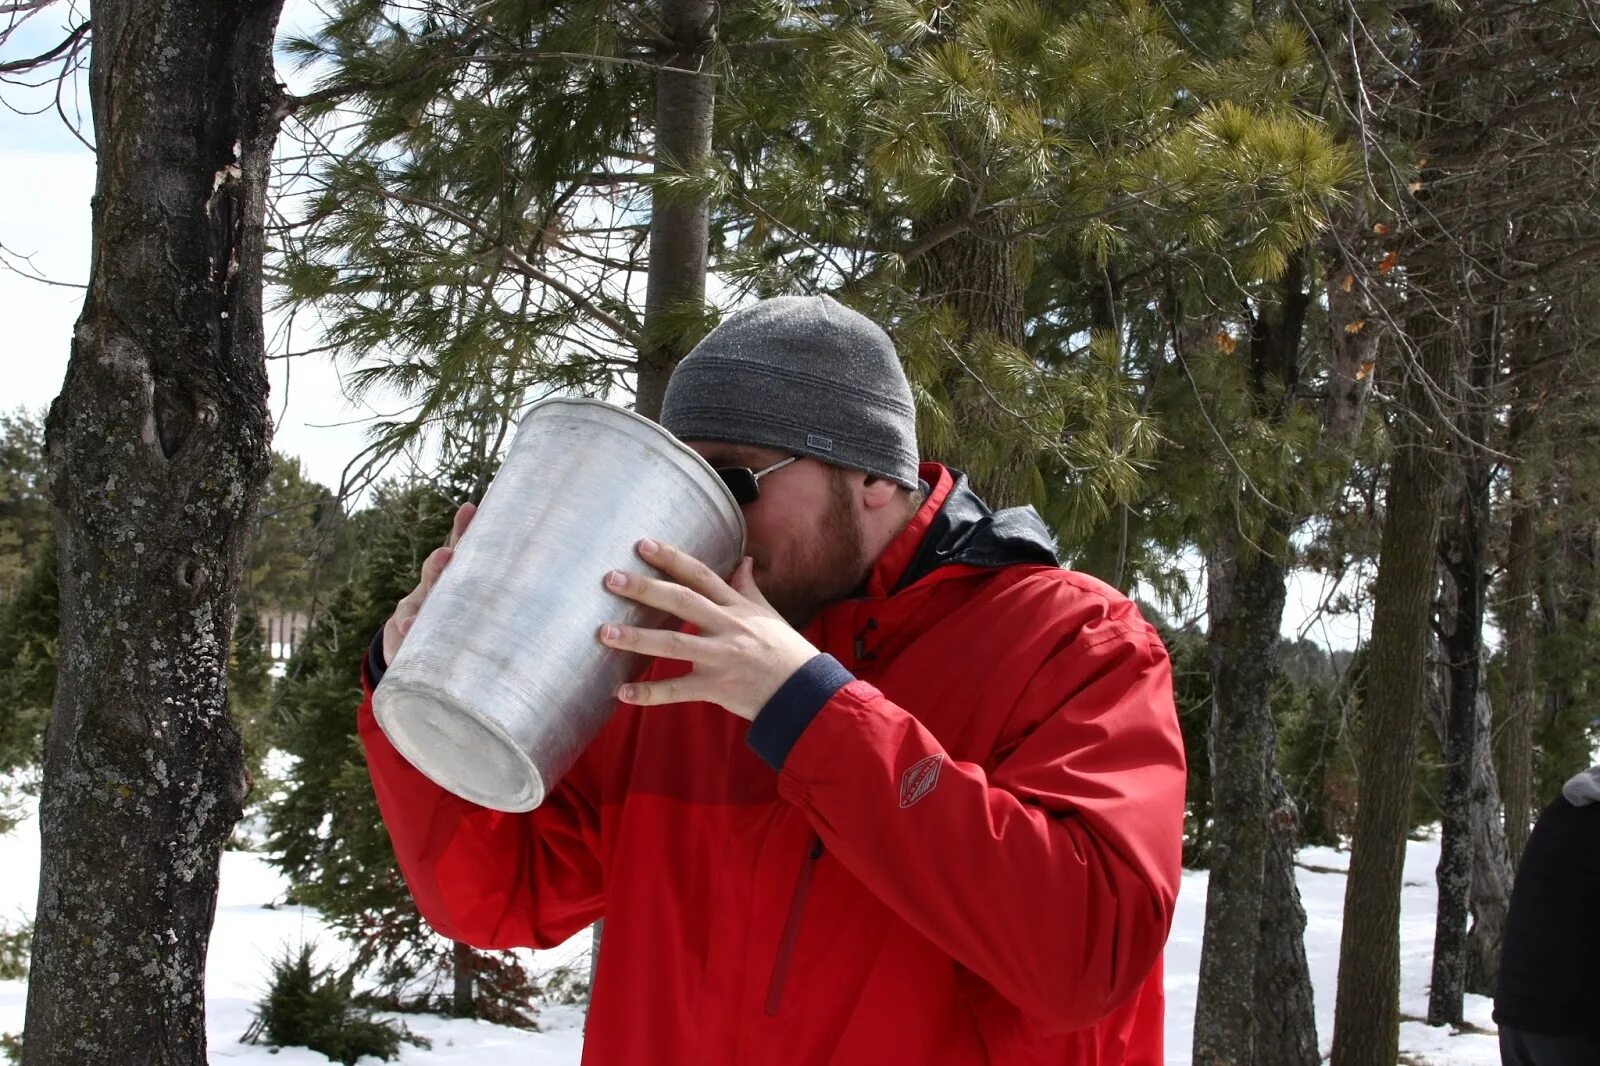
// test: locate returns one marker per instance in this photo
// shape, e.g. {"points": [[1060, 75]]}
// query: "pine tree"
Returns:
{"points": [[24, 511], [324, 829], [250, 687], [28, 640], [297, 540], [479, 239]]}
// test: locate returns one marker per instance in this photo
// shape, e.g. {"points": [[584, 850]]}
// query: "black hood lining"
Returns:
{"points": [[967, 532]]}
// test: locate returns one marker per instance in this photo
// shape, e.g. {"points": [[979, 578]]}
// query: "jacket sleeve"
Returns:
{"points": [[489, 878], [1051, 875]]}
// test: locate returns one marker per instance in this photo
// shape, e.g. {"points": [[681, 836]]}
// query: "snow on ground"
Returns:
{"points": [[1321, 877], [253, 927]]}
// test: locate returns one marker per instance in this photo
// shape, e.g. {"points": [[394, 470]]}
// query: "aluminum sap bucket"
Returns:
{"points": [[501, 682]]}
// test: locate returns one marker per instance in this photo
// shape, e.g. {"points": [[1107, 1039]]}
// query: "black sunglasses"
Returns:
{"points": [[744, 483]]}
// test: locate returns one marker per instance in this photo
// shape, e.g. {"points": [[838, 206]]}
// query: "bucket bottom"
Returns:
{"points": [[459, 753]]}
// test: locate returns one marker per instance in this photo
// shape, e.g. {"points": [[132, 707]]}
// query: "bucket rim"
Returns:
{"points": [[673, 442], [534, 787]]}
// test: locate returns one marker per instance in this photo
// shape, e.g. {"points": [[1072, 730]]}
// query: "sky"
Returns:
{"points": [[46, 181]]}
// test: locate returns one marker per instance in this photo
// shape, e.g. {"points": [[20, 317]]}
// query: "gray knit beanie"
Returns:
{"points": [[803, 374]]}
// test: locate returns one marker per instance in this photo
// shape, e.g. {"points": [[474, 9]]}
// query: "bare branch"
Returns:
{"points": [[18, 66]]}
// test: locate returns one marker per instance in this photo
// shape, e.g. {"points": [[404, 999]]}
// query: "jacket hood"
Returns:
{"points": [[955, 527], [1583, 788]]}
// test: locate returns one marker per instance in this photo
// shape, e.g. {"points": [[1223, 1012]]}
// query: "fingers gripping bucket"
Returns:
{"points": [[501, 683]]}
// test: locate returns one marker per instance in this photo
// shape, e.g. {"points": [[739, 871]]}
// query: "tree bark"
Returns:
{"points": [[1245, 595], [1254, 997], [675, 287], [1490, 880], [1366, 1018], [1286, 1017], [1463, 553], [462, 968], [1491, 864], [977, 274], [158, 449], [1521, 563]]}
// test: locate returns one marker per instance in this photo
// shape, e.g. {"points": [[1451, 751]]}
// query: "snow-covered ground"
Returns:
{"points": [[251, 930]]}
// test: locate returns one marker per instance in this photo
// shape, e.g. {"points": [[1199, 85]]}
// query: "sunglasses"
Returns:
{"points": [[744, 483]]}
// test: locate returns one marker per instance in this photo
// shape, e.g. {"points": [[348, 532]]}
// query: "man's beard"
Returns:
{"points": [[829, 570]]}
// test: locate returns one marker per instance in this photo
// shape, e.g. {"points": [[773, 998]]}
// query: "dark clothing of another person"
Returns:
{"points": [[1547, 1000], [1518, 1048]]}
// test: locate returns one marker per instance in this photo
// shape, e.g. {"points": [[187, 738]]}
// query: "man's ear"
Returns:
{"points": [[877, 492]]}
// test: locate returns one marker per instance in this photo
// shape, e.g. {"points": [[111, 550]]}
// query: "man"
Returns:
{"points": [[1547, 998], [902, 790]]}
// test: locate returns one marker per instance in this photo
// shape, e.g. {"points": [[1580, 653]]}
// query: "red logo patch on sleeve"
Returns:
{"points": [[919, 779]]}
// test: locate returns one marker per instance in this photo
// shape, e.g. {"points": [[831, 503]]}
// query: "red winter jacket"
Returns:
{"points": [[970, 853]]}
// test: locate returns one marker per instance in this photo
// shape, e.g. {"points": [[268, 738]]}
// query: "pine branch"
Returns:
{"points": [[289, 105], [587, 57], [520, 262]]}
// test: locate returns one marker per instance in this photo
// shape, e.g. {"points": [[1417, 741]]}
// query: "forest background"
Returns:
{"points": [[1223, 289]]}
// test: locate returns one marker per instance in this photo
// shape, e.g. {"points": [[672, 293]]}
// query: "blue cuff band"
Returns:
{"points": [[375, 664], [791, 708]]}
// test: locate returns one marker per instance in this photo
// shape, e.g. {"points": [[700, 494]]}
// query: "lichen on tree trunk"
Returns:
{"points": [[158, 447]]}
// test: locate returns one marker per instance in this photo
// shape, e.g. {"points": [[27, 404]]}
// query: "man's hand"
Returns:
{"points": [[405, 612], [744, 650]]}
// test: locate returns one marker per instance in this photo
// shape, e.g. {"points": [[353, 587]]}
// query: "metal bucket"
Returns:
{"points": [[501, 682]]}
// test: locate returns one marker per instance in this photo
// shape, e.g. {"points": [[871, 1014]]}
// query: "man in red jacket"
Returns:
{"points": [[903, 790]]}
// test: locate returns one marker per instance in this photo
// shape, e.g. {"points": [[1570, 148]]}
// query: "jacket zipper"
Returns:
{"points": [[791, 927]]}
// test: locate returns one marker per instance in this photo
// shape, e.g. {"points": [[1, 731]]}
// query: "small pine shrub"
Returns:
{"points": [[310, 1006], [11, 1045], [501, 990], [567, 985], [15, 943]]}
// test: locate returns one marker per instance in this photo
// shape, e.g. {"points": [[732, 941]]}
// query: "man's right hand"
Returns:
{"points": [[405, 612]]}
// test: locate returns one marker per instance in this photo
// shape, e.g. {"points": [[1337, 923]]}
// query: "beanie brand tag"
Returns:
{"points": [[819, 442]]}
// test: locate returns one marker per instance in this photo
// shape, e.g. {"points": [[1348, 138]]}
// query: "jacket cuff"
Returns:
{"points": [[375, 662], [779, 724]]}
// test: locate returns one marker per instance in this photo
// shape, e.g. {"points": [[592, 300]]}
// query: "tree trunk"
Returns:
{"points": [[1254, 920], [158, 449], [1462, 549], [1245, 596], [1286, 1017], [1490, 879], [977, 275], [461, 999], [680, 231], [1521, 563], [1491, 866], [1366, 1018], [675, 289]]}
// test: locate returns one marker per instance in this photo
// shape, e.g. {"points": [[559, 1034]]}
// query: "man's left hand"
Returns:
{"points": [[744, 650]]}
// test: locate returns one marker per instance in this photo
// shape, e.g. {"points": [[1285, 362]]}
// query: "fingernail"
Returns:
{"points": [[648, 546], [616, 579], [627, 693], [610, 632]]}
